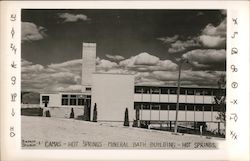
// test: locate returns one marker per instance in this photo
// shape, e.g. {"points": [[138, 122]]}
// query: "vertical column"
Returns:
{"points": [[88, 65]]}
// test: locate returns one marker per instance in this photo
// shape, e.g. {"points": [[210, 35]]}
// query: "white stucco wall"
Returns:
{"points": [[57, 109], [113, 93], [88, 64], [54, 99]]}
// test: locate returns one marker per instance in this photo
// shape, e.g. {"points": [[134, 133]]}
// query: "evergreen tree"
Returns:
{"points": [[95, 114], [86, 113], [47, 113], [72, 115], [126, 119]]}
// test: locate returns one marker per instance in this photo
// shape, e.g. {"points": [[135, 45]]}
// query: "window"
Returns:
{"points": [[219, 108], [138, 90], [182, 107], [145, 107], [172, 91], [155, 106], [65, 99], [198, 92], [182, 91], [190, 92], [172, 107], [72, 99], [164, 91], [190, 107], [207, 92], [146, 90], [199, 108], [80, 101], [45, 99], [207, 108], [88, 89], [155, 91], [164, 107]]}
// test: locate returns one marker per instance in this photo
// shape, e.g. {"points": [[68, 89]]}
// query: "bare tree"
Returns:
{"points": [[220, 99]]}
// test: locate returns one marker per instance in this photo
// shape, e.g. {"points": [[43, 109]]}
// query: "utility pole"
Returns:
{"points": [[178, 93]]}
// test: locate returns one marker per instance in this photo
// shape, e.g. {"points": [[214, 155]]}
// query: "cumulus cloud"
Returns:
{"points": [[176, 45], [69, 17], [188, 77], [51, 78], [115, 57], [214, 36], [219, 30], [32, 32], [206, 58], [148, 70], [147, 62], [212, 41], [210, 37], [168, 40], [105, 64], [180, 46]]}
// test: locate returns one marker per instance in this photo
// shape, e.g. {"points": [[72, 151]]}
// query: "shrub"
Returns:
{"points": [[126, 120], [40, 112], [47, 113], [86, 113], [72, 115], [95, 114]]}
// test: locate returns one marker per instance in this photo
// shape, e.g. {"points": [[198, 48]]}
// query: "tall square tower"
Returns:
{"points": [[88, 65]]}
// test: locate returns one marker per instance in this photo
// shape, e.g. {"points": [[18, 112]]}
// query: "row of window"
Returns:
{"points": [[173, 90], [182, 107], [75, 100]]}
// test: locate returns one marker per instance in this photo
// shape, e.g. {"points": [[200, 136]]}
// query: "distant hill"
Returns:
{"points": [[30, 97]]}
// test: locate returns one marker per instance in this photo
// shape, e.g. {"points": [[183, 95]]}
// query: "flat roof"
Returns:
{"points": [[168, 86], [113, 73]]}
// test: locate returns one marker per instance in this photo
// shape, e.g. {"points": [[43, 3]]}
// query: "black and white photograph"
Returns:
{"points": [[123, 78]]}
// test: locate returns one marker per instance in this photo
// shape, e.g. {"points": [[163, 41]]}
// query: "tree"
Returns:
{"points": [[86, 113], [72, 115], [47, 113], [126, 120], [95, 114], [220, 99]]}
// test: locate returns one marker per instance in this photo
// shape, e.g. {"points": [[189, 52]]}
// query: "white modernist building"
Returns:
{"points": [[113, 93]]}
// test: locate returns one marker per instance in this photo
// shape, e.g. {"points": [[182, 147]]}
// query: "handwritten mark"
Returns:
{"points": [[234, 117], [13, 97], [12, 112], [234, 35], [235, 21], [234, 102], [12, 32], [234, 51], [13, 17], [234, 85], [13, 80], [13, 47], [234, 69], [12, 134], [233, 135], [13, 65]]}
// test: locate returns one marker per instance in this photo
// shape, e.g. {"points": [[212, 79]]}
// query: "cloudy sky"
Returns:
{"points": [[146, 43]]}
